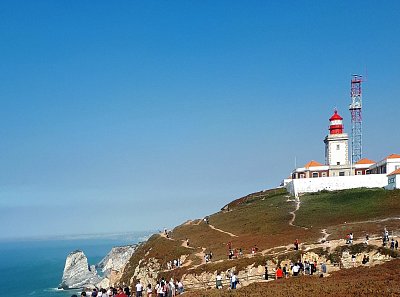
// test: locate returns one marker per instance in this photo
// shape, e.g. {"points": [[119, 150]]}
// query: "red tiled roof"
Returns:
{"points": [[393, 156], [313, 163], [365, 161], [397, 171]]}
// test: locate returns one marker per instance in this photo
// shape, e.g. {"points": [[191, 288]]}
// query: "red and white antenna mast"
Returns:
{"points": [[356, 118]]}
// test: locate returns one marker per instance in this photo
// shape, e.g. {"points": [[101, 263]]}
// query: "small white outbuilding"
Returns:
{"points": [[393, 180]]}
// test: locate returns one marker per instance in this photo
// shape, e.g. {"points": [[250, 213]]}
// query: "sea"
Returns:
{"points": [[34, 267]]}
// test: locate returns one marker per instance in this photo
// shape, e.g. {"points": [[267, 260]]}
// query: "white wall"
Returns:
{"points": [[310, 185]]}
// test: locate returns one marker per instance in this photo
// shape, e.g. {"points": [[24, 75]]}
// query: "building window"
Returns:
{"points": [[315, 174], [341, 173], [359, 172], [302, 175], [337, 147], [323, 174], [337, 163]]}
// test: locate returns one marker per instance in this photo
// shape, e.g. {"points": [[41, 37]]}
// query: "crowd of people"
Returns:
{"points": [[298, 268], [176, 263], [394, 244], [233, 280], [163, 288]]}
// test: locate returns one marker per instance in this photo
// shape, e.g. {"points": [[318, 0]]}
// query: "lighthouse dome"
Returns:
{"points": [[336, 117]]}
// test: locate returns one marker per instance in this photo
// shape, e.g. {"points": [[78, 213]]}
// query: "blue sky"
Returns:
{"points": [[136, 115]]}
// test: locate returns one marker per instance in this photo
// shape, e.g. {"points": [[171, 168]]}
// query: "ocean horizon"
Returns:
{"points": [[34, 266]]}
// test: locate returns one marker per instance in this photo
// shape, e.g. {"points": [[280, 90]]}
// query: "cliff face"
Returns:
{"points": [[116, 259], [77, 273]]}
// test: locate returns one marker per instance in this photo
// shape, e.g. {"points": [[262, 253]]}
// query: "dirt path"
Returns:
{"points": [[184, 244], [293, 213], [162, 234], [202, 256], [373, 221], [222, 231], [324, 237]]}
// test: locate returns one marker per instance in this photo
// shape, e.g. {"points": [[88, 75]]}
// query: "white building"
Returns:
{"points": [[387, 165], [338, 172], [393, 180]]}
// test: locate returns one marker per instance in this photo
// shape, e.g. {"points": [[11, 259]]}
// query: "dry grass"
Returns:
{"points": [[381, 280]]}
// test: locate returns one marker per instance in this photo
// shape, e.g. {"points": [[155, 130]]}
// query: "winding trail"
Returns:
{"points": [[293, 213], [373, 221], [324, 237], [222, 231]]}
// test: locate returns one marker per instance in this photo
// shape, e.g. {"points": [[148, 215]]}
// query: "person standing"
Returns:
{"points": [[160, 289], [218, 281], [139, 289], [180, 287], [296, 245], [171, 288], [120, 293], [266, 271], [279, 273], [149, 291], [296, 269], [323, 267], [233, 281]]}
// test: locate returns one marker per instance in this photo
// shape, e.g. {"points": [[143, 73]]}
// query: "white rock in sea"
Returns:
{"points": [[77, 273], [116, 259]]}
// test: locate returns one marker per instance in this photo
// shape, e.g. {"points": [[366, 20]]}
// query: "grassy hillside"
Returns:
{"points": [[262, 219], [360, 211]]}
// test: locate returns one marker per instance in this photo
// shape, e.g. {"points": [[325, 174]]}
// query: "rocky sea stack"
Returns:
{"points": [[77, 272]]}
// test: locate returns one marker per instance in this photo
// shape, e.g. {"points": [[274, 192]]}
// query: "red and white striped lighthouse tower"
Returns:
{"points": [[336, 146]]}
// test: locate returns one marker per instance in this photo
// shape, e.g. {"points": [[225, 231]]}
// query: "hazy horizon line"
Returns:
{"points": [[82, 236]]}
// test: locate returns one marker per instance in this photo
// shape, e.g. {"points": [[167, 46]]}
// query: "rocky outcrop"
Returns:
{"points": [[146, 273], [116, 259], [77, 273]]}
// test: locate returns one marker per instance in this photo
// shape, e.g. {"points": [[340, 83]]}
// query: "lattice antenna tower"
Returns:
{"points": [[356, 118]]}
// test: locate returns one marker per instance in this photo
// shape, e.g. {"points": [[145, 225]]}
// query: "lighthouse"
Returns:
{"points": [[336, 147]]}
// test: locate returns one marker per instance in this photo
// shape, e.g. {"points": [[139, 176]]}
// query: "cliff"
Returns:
{"points": [[116, 259], [77, 272], [268, 222]]}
